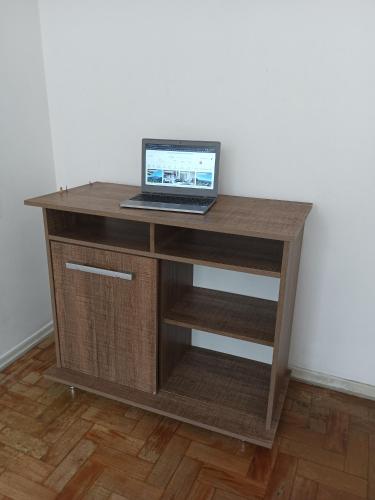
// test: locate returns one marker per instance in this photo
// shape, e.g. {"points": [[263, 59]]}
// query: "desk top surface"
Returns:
{"points": [[262, 218]]}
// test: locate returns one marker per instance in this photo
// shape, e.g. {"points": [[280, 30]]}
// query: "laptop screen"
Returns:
{"points": [[180, 166]]}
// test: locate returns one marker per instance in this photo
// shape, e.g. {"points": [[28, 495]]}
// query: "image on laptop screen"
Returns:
{"points": [[180, 166]]}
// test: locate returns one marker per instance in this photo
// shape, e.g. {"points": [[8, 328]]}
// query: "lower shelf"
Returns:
{"points": [[216, 391], [227, 384]]}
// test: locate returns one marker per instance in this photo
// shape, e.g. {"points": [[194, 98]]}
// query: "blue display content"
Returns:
{"points": [[177, 166]]}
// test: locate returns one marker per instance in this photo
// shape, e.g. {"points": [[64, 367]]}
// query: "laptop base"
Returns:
{"points": [[167, 207]]}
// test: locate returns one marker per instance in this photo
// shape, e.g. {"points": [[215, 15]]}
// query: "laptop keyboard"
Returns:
{"points": [[162, 198]]}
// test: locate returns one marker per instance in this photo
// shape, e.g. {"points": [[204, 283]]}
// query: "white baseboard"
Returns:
{"points": [[24, 346], [335, 383], [308, 376]]}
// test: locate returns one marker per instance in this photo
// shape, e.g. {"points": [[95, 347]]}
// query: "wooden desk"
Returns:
{"points": [[124, 304]]}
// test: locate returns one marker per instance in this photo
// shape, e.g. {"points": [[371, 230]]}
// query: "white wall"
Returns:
{"points": [[26, 169], [288, 87]]}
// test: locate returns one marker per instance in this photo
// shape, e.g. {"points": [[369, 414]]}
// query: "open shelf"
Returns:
{"points": [[216, 391], [229, 251], [229, 314], [98, 231], [224, 382]]}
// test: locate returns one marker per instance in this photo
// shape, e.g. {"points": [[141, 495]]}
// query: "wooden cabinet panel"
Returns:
{"points": [[107, 325]]}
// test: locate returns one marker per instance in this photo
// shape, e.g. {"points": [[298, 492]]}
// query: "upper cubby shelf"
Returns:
{"points": [[228, 251], [98, 231]]}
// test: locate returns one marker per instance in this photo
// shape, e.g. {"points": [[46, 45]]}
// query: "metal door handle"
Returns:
{"points": [[98, 270]]}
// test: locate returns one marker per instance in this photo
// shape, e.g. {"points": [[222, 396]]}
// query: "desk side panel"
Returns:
{"points": [[52, 287], [284, 322]]}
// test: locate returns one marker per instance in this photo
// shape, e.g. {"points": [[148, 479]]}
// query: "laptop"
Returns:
{"points": [[178, 176]]}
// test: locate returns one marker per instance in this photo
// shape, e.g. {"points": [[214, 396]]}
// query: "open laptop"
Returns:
{"points": [[178, 176]]}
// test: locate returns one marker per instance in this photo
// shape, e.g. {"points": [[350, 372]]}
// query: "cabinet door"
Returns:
{"points": [[106, 314]]}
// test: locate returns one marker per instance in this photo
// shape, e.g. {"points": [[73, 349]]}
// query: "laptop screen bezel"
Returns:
{"points": [[183, 191]]}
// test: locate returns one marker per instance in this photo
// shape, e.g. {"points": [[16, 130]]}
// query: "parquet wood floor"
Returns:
{"points": [[59, 445]]}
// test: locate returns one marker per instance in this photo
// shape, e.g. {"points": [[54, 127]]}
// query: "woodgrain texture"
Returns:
{"points": [[175, 278], [230, 251], [228, 314], [274, 219], [107, 326], [105, 450], [284, 322], [221, 381], [51, 281], [206, 388], [98, 230]]}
